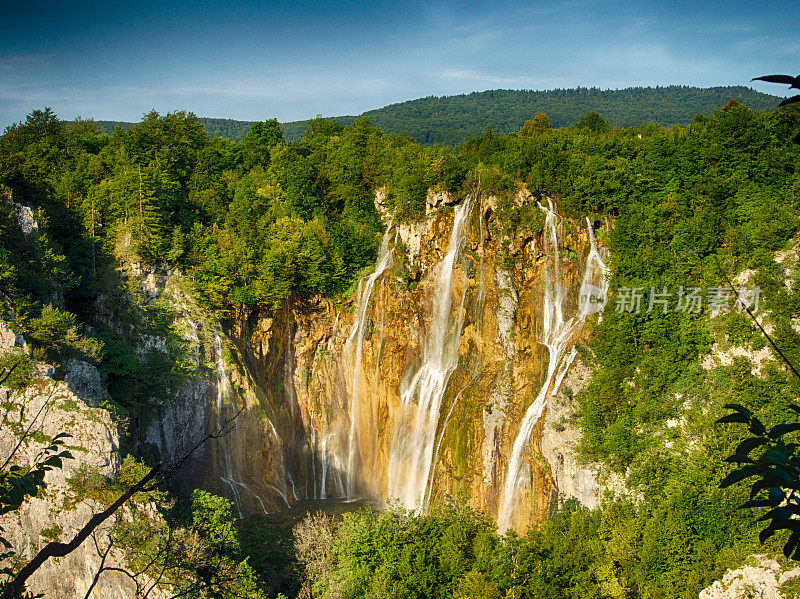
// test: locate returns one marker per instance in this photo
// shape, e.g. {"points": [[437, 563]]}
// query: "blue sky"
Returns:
{"points": [[292, 60]]}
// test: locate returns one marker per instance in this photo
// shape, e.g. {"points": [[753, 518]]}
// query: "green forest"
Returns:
{"points": [[264, 222], [451, 120]]}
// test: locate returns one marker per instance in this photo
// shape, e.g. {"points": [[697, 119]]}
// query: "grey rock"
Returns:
{"points": [[436, 199], [20, 342], [149, 343], [51, 408], [43, 371], [8, 339], [25, 218], [762, 577], [559, 440], [83, 380]]}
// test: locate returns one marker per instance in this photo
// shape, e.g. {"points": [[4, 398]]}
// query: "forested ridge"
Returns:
{"points": [[263, 222], [451, 120]]}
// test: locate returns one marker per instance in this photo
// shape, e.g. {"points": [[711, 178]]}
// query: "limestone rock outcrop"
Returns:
{"points": [[760, 577], [46, 409]]}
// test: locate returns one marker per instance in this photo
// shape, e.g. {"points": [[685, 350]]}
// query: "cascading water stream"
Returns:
{"points": [[224, 391], [328, 459], [421, 394], [384, 262], [594, 286], [291, 482], [556, 336], [313, 455], [223, 388], [323, 489]]}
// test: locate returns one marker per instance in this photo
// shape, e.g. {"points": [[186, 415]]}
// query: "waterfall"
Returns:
{"points": [[594, 286], [313, 455], [323, 489], [291, 482], [328, 459], [288, 372], [224, 392], [357, 335], [421, 393], [556, 336]]}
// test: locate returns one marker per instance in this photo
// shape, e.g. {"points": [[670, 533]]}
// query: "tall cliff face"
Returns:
{"points": [[222, 392], [434, 379]]}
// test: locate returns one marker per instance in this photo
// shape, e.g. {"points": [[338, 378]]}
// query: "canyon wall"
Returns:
{"points": [[433, 379]]}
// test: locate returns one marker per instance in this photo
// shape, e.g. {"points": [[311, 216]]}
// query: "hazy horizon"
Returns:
{"points": [[776, 92]]}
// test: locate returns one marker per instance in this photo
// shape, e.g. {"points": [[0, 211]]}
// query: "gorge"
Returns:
{"points": [[431, 381]]}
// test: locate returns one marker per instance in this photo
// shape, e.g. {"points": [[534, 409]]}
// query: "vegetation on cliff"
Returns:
{"points": [[262, 222]]}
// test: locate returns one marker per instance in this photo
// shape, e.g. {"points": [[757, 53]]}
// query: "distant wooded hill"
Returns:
{"points": [[451, 120]]}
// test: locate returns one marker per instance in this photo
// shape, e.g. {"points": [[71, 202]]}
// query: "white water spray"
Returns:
{"points": [[313, 456], [421, 394], [329, 458], [323, 489], [385, 260], [556, 336], [291, 482]]}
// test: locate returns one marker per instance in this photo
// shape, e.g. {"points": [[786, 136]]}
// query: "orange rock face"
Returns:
{"points": [[325, 416]]}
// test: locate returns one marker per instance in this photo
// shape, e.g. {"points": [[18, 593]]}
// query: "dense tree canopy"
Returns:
{"points": [[452, 120]]}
